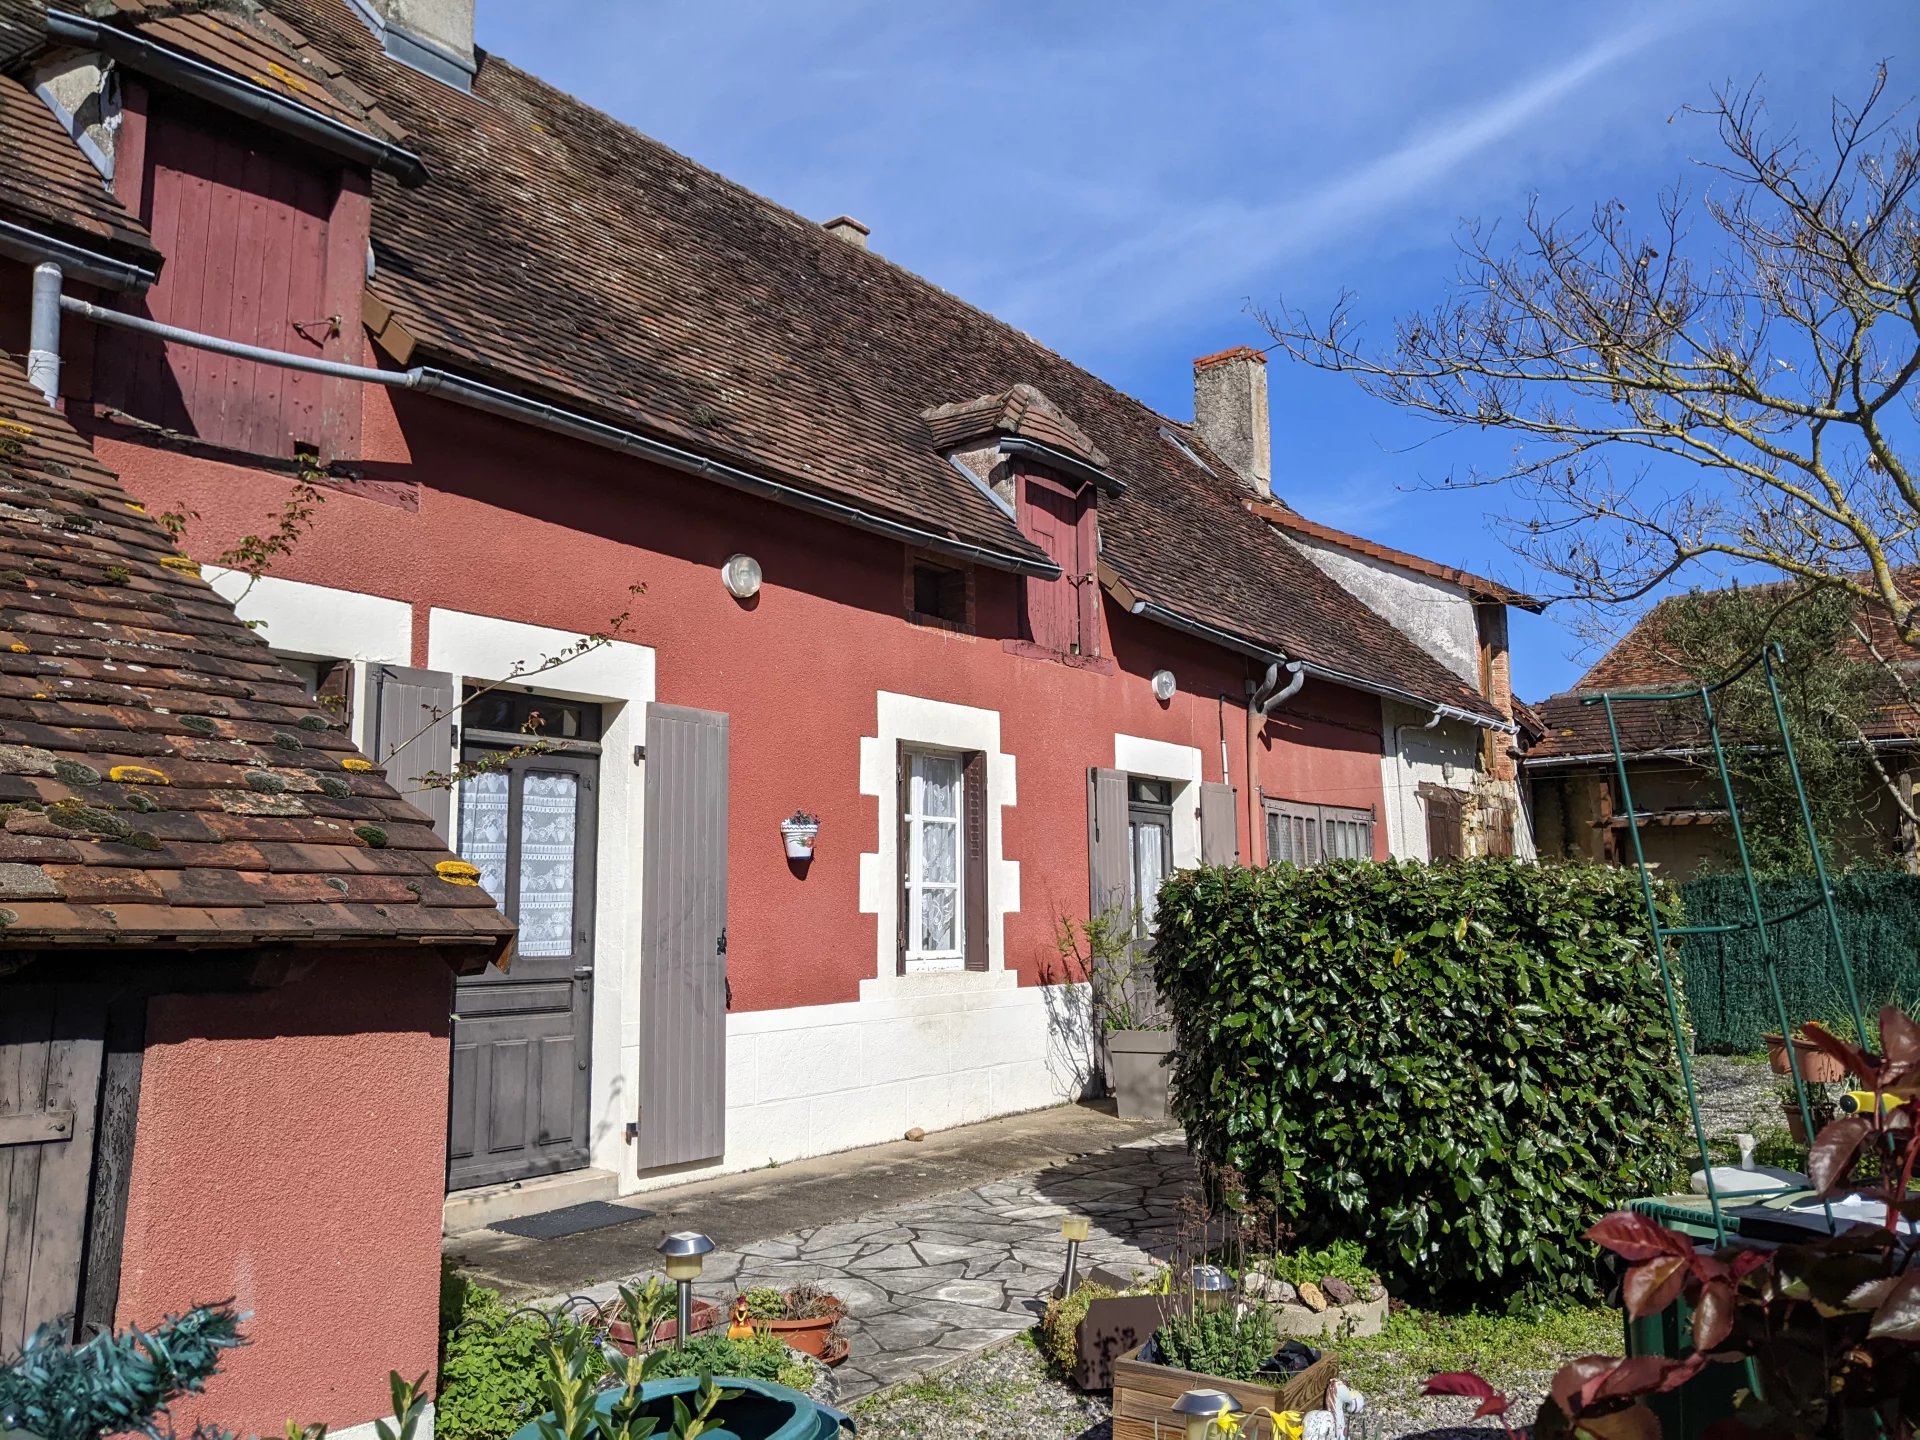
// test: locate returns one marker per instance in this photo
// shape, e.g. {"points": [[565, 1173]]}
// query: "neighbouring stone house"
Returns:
{"points": [[1678, 806]]}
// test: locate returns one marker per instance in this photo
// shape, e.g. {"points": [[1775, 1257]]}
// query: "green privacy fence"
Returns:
{"points": [[1727, 996]]}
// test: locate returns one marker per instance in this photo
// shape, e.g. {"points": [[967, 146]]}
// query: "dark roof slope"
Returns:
{"points": [[47, 185], [163, 780], [560, 251]]}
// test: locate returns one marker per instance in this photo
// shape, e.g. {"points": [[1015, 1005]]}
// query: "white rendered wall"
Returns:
{"points": [[1435, 615]]}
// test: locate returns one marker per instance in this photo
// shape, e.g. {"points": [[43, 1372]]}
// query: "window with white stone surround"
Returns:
{"points": [[933, 801]]}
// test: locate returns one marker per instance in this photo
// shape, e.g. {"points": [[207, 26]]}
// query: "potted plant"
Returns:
{"points": [[1105, 1317], [1224, 1346], [800, 830], [648, 1310], [804, 1317], [1819, 1101], [1136, 1042], [1816, 1066]]}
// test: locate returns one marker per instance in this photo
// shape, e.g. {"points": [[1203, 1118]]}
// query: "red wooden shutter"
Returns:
{"points": [[1050, 515], [973, 824]]}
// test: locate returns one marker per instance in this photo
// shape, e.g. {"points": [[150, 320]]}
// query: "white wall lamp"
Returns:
{"points": [[1163, 685], [742, 576]]}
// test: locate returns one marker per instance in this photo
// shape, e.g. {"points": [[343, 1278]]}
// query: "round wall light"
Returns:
{"points": [[1163, 685], [742, 576]]}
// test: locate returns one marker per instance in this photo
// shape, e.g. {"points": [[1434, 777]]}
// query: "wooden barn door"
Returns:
{"points": [[50, 1058], [683, 947]]}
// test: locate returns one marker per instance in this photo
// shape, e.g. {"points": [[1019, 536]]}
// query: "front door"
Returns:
{"points": [[522, 1040]]}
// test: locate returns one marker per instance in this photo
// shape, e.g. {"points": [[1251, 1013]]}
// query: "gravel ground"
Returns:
{"points": [[1736, 1094], [1010, 1393]]}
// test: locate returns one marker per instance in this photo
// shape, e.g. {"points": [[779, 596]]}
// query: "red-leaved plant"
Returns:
{"points": [[1832, 1327]]}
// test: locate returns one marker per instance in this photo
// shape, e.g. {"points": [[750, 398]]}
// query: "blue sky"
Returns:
{"points": [[1122, 179]]}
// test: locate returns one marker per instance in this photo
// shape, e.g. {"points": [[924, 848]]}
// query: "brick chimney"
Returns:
{"points": [[848, 229], [1230, 412], [433, 36]]}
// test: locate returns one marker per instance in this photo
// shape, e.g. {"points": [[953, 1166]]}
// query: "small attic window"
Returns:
{"points": [[1184, 448], [938, 594]]}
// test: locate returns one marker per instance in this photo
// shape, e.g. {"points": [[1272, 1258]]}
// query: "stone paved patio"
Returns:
{"points": [[930, 1282]]}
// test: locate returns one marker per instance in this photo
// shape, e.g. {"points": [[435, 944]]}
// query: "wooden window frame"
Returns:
{"points": [[918, 560], [1315, 834], [970, 910]]}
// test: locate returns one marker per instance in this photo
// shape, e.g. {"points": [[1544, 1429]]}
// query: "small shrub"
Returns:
{"points": [[113, 1384], [1222, 1340], [759, 1357], [1460, 1067], [1343, 1260], [490, 1365], [1060, 1324]]}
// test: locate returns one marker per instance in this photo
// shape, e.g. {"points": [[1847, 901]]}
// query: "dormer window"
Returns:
{"points": [[1063, 615]]}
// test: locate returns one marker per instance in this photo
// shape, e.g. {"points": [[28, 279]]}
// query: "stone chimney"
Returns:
{"points": [[1230, 412], [848, 229], [433, 36]]}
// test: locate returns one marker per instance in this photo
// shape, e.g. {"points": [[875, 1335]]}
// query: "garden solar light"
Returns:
{"points": [[686, 1252], [1074, 1228], [1210, 1284], [1203, 1409]]}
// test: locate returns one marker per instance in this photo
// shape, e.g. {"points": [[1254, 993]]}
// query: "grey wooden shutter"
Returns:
{"points": [[683, 945], [413, 735], [1219, 825], [974, 867], [903, 853], [50, 1055], [1107, 858]]}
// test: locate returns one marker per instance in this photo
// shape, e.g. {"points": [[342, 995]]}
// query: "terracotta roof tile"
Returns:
{"points": [[48, 185], [1022, 411], [162, 778], [1642, 661]]}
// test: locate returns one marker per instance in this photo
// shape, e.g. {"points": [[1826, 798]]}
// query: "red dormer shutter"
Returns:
{"points": [[1062, 615]]}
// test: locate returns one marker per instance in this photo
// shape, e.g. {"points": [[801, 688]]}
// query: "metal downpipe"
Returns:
{"points": [[1262, 699], [43, 332]]}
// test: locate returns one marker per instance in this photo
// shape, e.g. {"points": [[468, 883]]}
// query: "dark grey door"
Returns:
{"points": [[50, 1056], [522, 1039], [683, 948]]}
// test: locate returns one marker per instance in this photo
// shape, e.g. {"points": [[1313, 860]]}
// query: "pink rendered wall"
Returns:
{"points": [[514, 523], [290, 1153]]}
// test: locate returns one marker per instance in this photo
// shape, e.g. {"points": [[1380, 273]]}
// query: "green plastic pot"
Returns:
{"points": [[762, 1411]]}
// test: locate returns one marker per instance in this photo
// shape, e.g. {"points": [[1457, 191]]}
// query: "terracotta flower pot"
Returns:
{"points": [[1797, 1127], [620, 1334], [809, 1337], [1817, 1067]]}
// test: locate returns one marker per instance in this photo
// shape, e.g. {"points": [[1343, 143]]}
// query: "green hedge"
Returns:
{"points": [[1729, 1000], [1459, 1066]]}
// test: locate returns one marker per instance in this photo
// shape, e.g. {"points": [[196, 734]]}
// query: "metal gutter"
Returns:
{"points": [[231, 92], [1156, 612], [1060, 460], [32, 247], [478, 396], [475, 395]]}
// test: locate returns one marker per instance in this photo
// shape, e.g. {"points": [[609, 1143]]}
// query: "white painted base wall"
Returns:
{"points": [[820, 1078]]}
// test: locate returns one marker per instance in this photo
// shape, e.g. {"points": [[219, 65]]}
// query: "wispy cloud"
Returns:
{"points": [[1203, 251]]}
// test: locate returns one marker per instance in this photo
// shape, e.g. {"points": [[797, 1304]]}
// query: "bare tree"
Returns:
{"points": [[1776, 351]]}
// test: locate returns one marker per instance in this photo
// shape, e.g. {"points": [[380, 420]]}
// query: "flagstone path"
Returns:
{"points": [[932, 1281]]}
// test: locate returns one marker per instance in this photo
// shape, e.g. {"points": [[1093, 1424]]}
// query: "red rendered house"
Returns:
{"points": [[1022, 644]]}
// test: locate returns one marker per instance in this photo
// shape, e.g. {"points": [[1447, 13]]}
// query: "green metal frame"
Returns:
{"points": [[1767, 658]]}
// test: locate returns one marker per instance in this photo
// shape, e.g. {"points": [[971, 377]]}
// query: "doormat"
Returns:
{"points": [[570, 1220]]}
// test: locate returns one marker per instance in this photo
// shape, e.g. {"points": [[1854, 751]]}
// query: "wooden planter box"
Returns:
{"points": [[1144, 1393]]}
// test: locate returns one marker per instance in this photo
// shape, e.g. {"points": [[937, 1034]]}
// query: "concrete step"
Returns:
{"points": [[475, 1209]]}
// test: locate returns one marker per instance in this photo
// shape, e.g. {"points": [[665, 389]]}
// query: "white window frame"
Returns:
{"points": [[916, 823]]}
